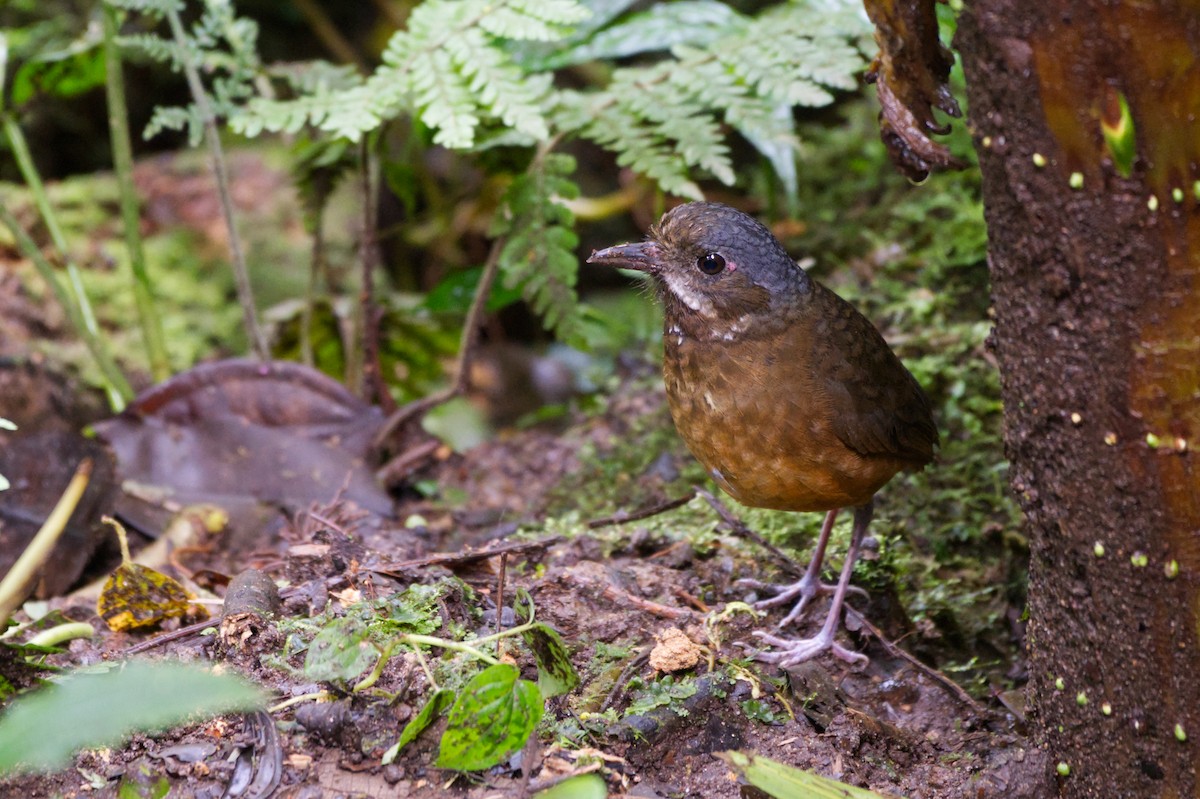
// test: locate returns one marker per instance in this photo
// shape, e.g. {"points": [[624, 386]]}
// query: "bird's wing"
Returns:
{"points": [[879, 407]]}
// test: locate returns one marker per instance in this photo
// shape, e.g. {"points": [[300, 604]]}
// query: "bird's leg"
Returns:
{"points": [[806, 587], [793, 651]]}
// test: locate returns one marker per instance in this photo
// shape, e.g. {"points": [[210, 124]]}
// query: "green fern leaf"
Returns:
{"points": [[539, 252]]}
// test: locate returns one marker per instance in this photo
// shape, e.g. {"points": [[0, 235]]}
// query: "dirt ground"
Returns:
{"points": [[611, 590], [894, 726]]}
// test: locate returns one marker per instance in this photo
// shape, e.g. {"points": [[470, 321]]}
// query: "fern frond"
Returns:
{"points": [[154, 8], [663, 120], [450, 68], [539, 254]]}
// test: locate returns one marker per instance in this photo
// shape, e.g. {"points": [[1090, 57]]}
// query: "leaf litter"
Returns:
{"points": [[361, 594]]}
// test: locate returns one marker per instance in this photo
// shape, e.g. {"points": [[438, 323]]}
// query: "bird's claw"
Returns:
{"points": [[792, 652], [804, 589]]}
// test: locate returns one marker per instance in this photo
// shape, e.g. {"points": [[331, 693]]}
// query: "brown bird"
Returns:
{"points": [[789, 397]]}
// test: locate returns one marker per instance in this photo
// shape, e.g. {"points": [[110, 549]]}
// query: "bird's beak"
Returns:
{"points": [[642, 256]]}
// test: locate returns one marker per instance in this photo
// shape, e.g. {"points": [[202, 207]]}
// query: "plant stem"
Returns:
{"points": [[15, 583], [466, 347], [114, 383], [122, 151], [456, 646], [240, 276], [61, 633]]}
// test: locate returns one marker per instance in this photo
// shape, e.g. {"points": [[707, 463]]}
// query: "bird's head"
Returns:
{"points": [[715, 268]]}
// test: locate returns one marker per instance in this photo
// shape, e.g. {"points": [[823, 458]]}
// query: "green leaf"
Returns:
{"points": [[786, 782], [340, 652], [556, 675], [539, 255], [63, 74], [656, 29], [437, 702], [1120, 134], [42, 730], [493, 717], [585, 786], [455, 292], [523, 605]]}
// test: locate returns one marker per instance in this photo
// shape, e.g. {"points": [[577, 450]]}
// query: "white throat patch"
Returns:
{"points": [[697, 302]]}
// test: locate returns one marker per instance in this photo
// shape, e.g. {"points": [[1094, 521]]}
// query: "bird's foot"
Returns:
{"points": [[803, 590], [792, 651]]}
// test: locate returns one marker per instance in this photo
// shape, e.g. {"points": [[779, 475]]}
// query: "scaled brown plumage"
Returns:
{"points": [[788, 395]]}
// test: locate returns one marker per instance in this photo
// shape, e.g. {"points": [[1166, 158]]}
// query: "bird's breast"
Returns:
{"points": [[755, 416]]}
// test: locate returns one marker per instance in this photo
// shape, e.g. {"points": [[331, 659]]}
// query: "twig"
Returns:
{"points": [[621, 596], [531, 758], [174, 635], [895, 651], [122, 151], [241, 276], [620, 517], [466, 347], [691, 599], [619, 686], [316, 274], [368, 254], [739, 528], [408, 462], [500, 602], [460, 558]]}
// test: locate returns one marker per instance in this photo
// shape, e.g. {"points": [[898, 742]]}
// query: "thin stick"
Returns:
{"points": [[241, 276], [620, 517], [623, 597], [368, 255], [408, 462], [895, 651], [740, 529], [500, 604], [466, 347], [174, 635]]}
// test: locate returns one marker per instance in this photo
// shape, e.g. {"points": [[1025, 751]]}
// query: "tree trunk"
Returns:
{"points": [[1096, 290]]}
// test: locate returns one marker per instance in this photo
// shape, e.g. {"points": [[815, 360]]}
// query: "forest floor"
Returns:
{"points": [[554, 492]]}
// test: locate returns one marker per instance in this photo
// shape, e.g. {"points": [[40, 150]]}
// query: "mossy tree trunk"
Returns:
{"points": [[1096, 290]]}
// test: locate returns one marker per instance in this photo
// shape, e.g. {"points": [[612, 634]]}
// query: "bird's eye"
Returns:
{"points": [[711, 263]]}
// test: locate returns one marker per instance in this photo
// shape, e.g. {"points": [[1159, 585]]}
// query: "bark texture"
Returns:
{"points": [[1096, 290]]}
